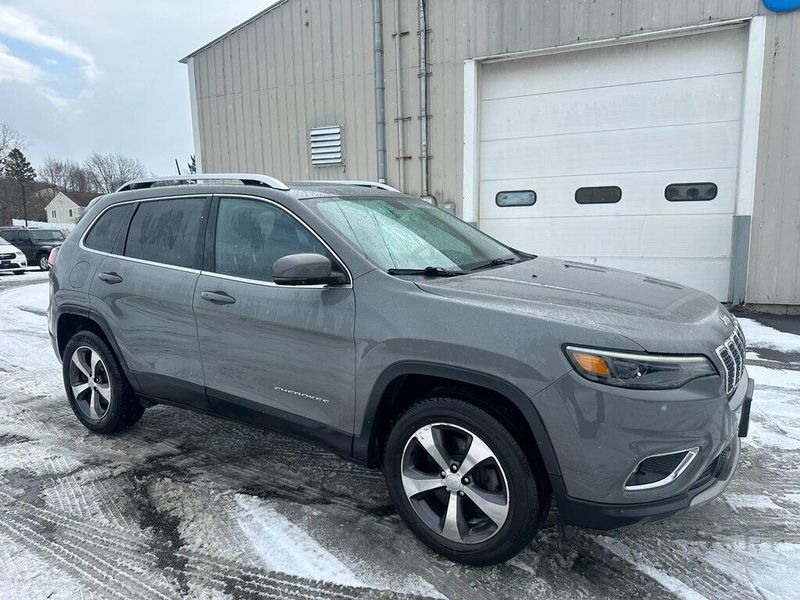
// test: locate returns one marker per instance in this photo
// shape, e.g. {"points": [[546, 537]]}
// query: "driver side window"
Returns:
{"points": [[251, 235]]}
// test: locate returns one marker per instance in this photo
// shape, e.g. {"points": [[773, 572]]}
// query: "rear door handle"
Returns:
{"points": [[110, 278], [217, 297]]}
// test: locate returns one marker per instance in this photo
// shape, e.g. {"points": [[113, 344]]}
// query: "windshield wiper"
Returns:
{"points": [[496, 262], [429, 271]]}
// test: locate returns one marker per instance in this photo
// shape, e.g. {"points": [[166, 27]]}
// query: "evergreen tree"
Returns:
{"points": [[18, 168]]}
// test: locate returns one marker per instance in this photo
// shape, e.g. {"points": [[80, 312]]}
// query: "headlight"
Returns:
{"points": [[638, 371]]}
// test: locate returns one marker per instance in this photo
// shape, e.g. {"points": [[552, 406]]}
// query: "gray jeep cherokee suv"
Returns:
{"points": [[483, 380]]}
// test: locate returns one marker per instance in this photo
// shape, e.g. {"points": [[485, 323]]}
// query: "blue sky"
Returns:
{"points": [[97, 75]]}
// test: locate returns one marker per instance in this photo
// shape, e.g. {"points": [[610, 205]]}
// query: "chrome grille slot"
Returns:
{"points": [[732, 353]]}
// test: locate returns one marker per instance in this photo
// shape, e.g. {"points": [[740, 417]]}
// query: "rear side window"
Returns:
{"points": [[104, 232], [607, 194], [168, 232]]}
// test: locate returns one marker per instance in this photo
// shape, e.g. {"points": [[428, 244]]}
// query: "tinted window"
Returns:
{"points": [[516, 198], [47, 235], [690, 192], [168, 231], [104, 232], [252, 235], [608, 194]]}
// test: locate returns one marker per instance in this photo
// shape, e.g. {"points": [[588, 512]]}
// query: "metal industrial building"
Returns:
{"points": [[652, 135]]}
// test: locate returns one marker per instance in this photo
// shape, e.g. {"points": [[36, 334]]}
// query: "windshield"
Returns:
{"points": [[47, 234], [404, 233]]}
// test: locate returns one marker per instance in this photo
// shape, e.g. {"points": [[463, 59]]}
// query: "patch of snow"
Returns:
{"points": [[678, 588], [763, 336], [286, 548], [765, 568], [752, 502]]}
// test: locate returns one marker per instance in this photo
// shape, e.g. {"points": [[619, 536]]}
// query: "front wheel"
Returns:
{"points": [[43, 264], [462, 483]]}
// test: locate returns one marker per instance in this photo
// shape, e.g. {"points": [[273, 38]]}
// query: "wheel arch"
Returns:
{"points": [[504, 400], [72, 319]]}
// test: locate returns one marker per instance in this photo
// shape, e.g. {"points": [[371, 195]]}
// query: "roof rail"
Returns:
{"points": [[191, 178], [357, 182]]}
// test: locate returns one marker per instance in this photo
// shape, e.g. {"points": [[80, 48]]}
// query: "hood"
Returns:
{"points": [[5, 247], [660, 316]]}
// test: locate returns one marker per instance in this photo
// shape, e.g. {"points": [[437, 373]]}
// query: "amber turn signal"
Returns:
{"points": [[591, 364]]}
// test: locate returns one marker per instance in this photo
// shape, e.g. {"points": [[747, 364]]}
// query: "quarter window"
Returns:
{"points": [[104, 232], [607, 194], [690, 192], [168, 231], [251, 235], [516, 198]]}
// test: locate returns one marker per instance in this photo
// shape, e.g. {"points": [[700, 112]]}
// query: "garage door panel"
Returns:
{"points": [[652, 104], [663, 236], [638, 116], [690, 56], [707, 146], [642, 193]]}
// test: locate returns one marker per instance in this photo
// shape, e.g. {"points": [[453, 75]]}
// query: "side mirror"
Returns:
{"points": [[304, 269]]}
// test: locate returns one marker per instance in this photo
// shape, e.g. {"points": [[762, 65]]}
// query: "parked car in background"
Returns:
{"points": [[11, 258], [36, 244], [485, 381]]}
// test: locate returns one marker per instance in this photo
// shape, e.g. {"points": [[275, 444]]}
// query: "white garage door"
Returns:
{"points": [[603, 137]]}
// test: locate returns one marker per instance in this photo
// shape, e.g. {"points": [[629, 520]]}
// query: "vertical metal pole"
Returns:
{"points": [[380, 88], [423, 98], [24, 203], [398, 82]]}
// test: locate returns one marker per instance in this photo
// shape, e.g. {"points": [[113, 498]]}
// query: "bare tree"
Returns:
{"points": [[109, 171], [10, 138], [67, 175]]}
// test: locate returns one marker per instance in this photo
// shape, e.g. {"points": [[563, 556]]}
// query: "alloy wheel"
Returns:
{"points": [[90, 383], [43, 264], [455, 483]]}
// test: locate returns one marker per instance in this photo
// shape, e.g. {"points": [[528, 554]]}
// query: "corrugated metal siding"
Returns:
{"points": [[309, 63], [303, 64], [774, 273]]}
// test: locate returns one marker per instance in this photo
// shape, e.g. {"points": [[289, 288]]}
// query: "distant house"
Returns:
{"points": [[66, 206]]}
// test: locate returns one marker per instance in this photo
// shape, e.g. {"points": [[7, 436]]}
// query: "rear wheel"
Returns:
{"points": [[461, 482], [97, 390]]}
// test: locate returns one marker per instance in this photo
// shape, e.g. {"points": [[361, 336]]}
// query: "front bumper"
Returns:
{"points": [[706, 486], [13, 264]]}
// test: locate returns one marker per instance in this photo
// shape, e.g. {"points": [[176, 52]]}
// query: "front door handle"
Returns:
{"points": [[110, 278], [217, 297]]}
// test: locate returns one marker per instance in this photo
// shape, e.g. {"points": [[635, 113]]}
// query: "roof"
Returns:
{"points": [[233, 30], [80, 198]]}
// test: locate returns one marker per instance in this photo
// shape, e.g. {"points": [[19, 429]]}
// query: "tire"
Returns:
{"points": [[42, 262], [461, 432], [98, 392]]}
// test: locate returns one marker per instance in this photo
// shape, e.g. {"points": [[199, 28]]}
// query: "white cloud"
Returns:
{"points": [[22, 26], [16, 69]]}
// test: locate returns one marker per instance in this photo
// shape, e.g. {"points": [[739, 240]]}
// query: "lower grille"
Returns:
{"points": [[732, 354], [714, 468]]}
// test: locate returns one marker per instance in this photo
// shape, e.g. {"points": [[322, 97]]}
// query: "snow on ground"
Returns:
{"points": [[763, 336], [187, 505]]}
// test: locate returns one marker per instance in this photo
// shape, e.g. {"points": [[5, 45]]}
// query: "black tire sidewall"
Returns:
{"points": [[524, 483], [115, 418]]}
